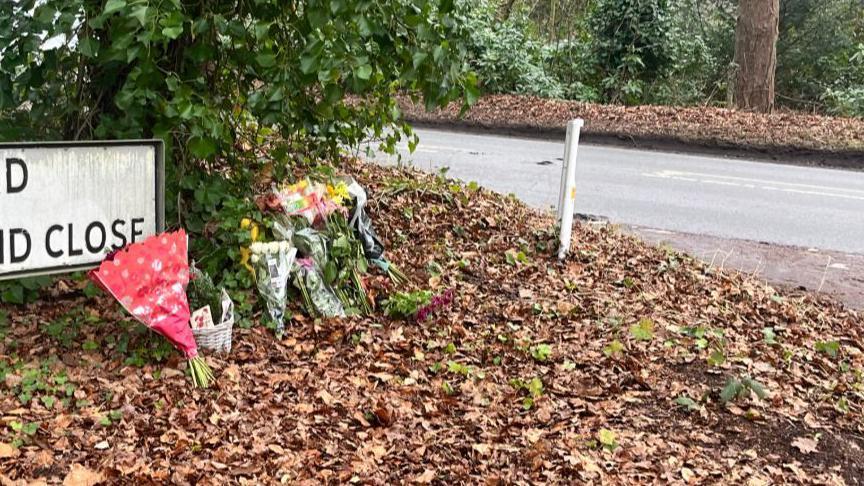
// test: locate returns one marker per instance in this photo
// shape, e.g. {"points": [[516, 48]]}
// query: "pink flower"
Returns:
{"points": [[437, 303]]}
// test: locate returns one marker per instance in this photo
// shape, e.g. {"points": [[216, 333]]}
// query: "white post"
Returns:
{"points": [[567, 196]]}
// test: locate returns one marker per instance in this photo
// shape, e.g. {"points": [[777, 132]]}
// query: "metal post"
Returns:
{"points": [[567, 196]]}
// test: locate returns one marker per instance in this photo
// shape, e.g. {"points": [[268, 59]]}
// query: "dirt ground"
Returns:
{"points": [[840, 275]]}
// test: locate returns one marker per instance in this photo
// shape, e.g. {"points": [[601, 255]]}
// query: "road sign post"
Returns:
{"points": [[567, 194]]}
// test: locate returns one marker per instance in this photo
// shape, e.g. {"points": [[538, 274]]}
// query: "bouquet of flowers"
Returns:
{"points": [[346, 265], [318, 298], [149, 280], [361, 223], [313, 201], [273, 263], [203, 294]]}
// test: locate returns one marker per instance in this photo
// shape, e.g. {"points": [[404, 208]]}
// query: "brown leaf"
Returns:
{"points": [[805, 444], [384, 415], [481, 448], [81, 476], [427, 477], [7, 450]]}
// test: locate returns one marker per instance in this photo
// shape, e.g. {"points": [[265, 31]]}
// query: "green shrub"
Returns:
{"points": [[630, 44], [507, 55], [233, 87]]}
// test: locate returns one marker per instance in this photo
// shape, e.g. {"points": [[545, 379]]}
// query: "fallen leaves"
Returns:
{"points": [[806, 445], [549, 367], [427, 477], [8, 451], [713, 127], [81, 476]]}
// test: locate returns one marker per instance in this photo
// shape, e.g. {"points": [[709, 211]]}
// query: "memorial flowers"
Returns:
{"points": [[273, 263], [149, 280]]}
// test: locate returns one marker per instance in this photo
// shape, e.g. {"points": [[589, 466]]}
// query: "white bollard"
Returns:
{"points": [[567, 196]]}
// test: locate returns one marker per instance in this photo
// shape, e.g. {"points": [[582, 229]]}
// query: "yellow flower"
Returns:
{"points": [[297, 187], [338, 193], [254, 235]]}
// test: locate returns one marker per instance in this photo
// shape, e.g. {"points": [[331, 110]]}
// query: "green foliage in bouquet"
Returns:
{"points": [[346, 264], [202, 292]]}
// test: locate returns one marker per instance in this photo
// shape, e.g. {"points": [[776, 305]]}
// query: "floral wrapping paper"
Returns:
{"points": [[149, 280]]}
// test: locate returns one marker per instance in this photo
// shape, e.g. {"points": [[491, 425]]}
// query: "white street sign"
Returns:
{"points": [[64, 206]]}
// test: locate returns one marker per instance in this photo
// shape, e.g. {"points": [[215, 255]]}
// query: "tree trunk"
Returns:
{"points": [[507, 10], [756, 54]]}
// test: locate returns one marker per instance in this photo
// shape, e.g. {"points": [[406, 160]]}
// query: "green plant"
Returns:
{"points": [[38, 381], [458, 368], [508, 55], [613, 349], [533, 388], [831, 348], [630, 45], [236, 89], [741, 388], [516, 258], [436, 367], [202, 292], [28, 429], [688, 403], [607, 439], [23, 290], [769, 336], [406, 304], [541, 352], [643, 330], [716, 358]]}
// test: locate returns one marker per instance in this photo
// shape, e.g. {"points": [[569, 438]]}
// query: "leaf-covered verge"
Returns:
{"points": [[711, 127], [624, 364]]}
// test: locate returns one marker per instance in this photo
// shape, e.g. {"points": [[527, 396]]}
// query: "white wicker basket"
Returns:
{"points": [[218, 338]]}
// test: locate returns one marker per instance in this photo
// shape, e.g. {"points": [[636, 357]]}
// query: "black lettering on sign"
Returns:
{"points": [[135, 231], [15, 257], [89, 241], [52, 252], [24, 175], [72, 250], [118, 233], [2, 252]]}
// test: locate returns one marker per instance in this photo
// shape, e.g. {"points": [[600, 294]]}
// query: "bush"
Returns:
{"points": [[507, 56], [232, 87], [816, 53], [630, 45], [845, 101]]}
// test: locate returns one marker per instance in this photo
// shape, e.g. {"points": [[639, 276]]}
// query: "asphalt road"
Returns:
{"points": [[727, 198]]}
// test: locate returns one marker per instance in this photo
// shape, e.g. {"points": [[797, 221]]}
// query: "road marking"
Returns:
{"points": [[745, 182], [434, 149]]}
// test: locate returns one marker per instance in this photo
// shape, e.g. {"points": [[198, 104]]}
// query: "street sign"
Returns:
{"points": [[65, 205]]}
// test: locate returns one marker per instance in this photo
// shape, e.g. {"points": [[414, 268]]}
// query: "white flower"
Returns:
{"points": [[256, 247], [273, 247], [254, 258]]}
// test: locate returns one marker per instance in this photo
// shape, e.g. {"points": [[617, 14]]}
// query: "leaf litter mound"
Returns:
{"points": [[609, 367], [774, 134]]}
